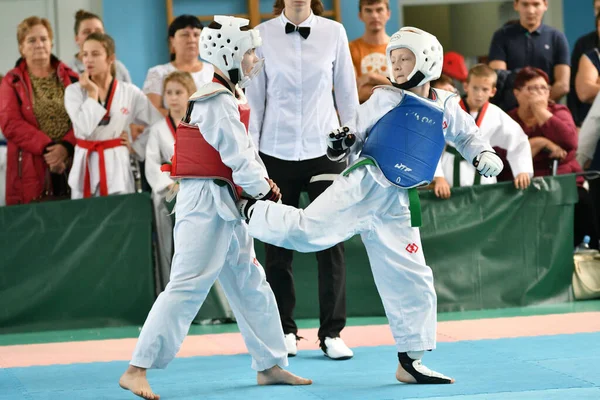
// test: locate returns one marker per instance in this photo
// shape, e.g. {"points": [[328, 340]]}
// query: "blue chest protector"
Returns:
{"points": [[407, 142]]}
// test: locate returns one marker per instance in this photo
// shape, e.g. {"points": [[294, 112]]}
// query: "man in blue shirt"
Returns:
{"points": [[531, 43], [584, 44]]}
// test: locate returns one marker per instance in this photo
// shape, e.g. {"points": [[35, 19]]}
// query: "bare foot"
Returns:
{"points": [[278, 376], [426, 376], [134, 379]]}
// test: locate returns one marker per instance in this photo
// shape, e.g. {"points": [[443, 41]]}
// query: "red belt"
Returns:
{"points": [[98, 146]]}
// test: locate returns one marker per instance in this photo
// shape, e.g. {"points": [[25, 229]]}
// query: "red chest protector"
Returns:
{"points": [[194, 157]]}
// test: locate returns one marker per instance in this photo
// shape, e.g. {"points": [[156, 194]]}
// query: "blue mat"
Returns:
{"points": [[550, 368]]}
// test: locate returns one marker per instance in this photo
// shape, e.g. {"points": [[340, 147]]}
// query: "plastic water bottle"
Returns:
{"points": [[583, 246]]}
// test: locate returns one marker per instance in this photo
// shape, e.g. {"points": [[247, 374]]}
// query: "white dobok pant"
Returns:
{"points": [[357, 204], [164, 233], [207, 248]]}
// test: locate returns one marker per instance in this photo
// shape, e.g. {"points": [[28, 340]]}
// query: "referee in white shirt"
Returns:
{"points": [[308, 72]]}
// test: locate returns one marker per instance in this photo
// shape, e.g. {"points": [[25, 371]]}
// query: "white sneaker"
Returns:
{"points": [[290, 344], [336, 349]]}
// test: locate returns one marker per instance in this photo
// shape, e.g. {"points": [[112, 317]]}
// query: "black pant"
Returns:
{"points": [[595, 197], [585, 216], [293, 177]]}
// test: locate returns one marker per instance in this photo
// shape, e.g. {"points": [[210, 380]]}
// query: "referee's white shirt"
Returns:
{"points": [[291, 100]]}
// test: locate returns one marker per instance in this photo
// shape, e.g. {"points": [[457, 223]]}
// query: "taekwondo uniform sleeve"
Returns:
{"points": [[589, 133], [256, 94], [344, 80], [140, 144], [144, 113], [158, 180], [219, 121], [439, 170], [85, 113], [463, 132], [510, 136]]}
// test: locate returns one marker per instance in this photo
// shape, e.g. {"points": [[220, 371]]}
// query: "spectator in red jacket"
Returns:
{"points": [[552, 135], [2, 164], [33, 118]]}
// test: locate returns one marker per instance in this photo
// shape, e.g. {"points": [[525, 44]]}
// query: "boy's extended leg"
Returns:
{"points": [[340, 212], [251, 298], [196, 264]]}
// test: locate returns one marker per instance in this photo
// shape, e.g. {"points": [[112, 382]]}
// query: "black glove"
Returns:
{"points": [[339, 142], [245, 205]]}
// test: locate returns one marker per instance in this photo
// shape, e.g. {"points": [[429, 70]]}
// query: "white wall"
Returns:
{"points": [[433, 19], [61, 14], [467, 26], [474, 26]]}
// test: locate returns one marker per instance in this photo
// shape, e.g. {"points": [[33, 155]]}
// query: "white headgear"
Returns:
{"points": [[224, 47], [428, 52]]}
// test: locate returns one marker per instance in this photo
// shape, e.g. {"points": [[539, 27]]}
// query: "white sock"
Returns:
{"points": [[415, 355]]}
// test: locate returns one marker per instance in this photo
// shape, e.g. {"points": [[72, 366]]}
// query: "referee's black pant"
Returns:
{"points": [[313, 176]]}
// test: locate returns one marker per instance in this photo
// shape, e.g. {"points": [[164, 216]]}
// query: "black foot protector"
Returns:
{"points": [[421, 373]]}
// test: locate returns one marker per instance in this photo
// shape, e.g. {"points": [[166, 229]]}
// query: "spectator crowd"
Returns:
{"points": [[81, 128]]}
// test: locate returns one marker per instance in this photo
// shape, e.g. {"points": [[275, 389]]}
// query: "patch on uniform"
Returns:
{"points": [[412, 248], [255, 262]]}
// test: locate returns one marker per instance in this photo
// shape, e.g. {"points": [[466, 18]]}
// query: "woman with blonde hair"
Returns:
{"points": [[178, 87], [101, 108], [33, 118]]}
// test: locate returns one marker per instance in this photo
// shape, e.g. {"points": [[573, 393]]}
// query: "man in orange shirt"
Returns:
{"points": [[368, 51]]}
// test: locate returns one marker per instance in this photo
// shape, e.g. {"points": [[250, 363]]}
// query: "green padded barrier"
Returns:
{"points": [[76, 263], [88, 263], [490, 246]]}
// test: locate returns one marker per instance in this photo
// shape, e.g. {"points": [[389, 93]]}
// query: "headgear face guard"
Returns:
{"points": [[428, 52], [224, 47]]}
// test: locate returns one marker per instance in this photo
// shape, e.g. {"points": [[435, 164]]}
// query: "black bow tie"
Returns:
{"points": [[304, 31]]}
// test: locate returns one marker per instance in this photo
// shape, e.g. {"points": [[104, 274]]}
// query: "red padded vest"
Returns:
{"points": [[194, 157]]}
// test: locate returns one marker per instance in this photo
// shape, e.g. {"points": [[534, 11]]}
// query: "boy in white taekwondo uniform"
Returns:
{"points": [[212, 151], [495, 126], [401, 130], [101, 163]]}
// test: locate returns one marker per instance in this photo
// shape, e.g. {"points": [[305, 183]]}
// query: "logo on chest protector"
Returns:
{"points": [[421, 118], [402, 167]]}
